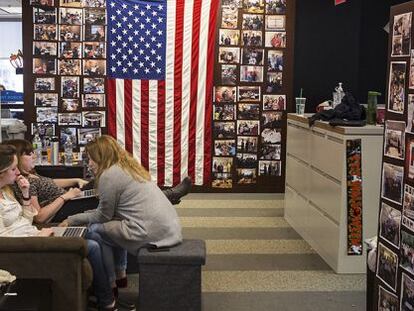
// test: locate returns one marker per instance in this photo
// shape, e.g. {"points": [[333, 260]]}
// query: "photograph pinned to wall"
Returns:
{"points": [[69, 87], [225, 147], [272, 119], [252, 22], [252, 74], [401, 35], [94, 85], [408, 204], [270, 151], [43, 129], [396, 88], [274, 82], [229, 36], [93, 118], [68, 133], [93, 3], [44, 15], [70, 33], [247, 144], [43, 2], [409, 156], [46, 114], [94, 67], [248, 111], [45, 32], [44, 66], [232, 3], [71, 3], [246, 160], [252, 56], [229, 74], [410, 114], [386, 300], [70, 49], [253, 6], [94, 50], [271, 136], [229, 17], [411, 77], [387, 264], [46, 99], [95, 16], [274, 102], [225, 112], [248, 93], [223, 130], [275, 39], [275, 22], [86, 135], [93, 100], [229, 55], [94, 32], [44, 48], [392, 182], [44, 84], [252, 38], [390, 224], [270, 168], [407, 251], [69, 67], [69, 118], [222, 168], [224, 94], [407, 293], [394, 139], [246, 176], [70, 16], [248, 127], [70, 104], [274, 60], [276, 6]]}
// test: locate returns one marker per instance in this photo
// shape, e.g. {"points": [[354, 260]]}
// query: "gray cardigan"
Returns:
{"points": [[134, 213]]}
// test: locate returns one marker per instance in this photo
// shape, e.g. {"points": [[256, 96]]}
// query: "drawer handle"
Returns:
{"points": [[318, 134], [297, 159], [335, 139], [324, 213], [317, 170]]}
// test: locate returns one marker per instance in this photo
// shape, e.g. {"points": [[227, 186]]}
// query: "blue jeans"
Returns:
{"points": [[114, 257], [101, 287]]}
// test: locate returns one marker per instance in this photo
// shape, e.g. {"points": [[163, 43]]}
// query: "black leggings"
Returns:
{"points": [[73, 207]]}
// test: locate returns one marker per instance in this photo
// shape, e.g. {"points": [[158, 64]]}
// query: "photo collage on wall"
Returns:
{"points": [[69, 68], [395, 261], [249, 98]]}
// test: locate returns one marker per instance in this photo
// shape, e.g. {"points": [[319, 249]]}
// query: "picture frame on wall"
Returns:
{"points": [[70, 33], [229, 74], [252, 22], [275, 39], [94, 16], [390, 224], [275, 22], [43, 2], [387, 298], [276, 6], [224, 94], [70, 16], [253, 6], [46, 114], [86, 135], [249, 93], [44, 84], [274, 102], [251, 74], [248, 111], [45, 32], [70, 104], [252, 56], [46, 99], [229, 55], [94, 32], [246, 160], [396, 87], [69, 118], [392, 182], [69, 86], [270, 168], [93, 101], [44, 48], [401, 35], [70, 67], [93, 85], [93, 118], [224, 112], [224, 130], [93, 3], [68, 133], [94, 50], [71, 3], [387, 263], [42, 15], [44, 66], [270, 151], [247, 144], [94, 67], [252, 38], [229, 37], [246, 176], [229, 17], [394, 143], [42, 129], [70, 49]]}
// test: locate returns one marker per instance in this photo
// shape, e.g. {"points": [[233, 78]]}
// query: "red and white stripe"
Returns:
{"points": [[166, 124]]}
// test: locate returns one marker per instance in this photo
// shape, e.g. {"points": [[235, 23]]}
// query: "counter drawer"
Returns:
{"points": [[298, 141], [298, 175], [296, 209]]}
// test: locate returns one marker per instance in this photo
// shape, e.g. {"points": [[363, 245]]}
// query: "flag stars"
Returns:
{"points": [[159, 32], [135, 58], [154, 26], [124, 31], [147, 58], [124, 19], [119, 37], [113, 69], [112, 4], [142, 13], [158, 57], [154, 13], [124, 6], [141, 51], [135, 45], [152, 64], [153, 39], [141, 64], [136, 32], [148, 7], [113, 17], [119, 63], [135, 70], [142, 26], [130, 51], [153, 52], [118, 50], [130, 38], [148, 20], [124, 44], [147, 70], [160, 19], [136, 19], [118, 12], [119, 25], [160, 7], [113, 43], [129, 64], [141, 39], [147, 45], [129, 25], [159, 45], [124, 70], [147, 32], [130, 13], [136, 7], [158, 70], [113, 30]]}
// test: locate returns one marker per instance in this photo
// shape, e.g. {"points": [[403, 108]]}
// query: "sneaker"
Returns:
{"points": [[125, 305]]}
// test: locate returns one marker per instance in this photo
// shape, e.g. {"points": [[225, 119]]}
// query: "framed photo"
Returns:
{"points": [[70, 33], [229, 55], [407, 251], [71, 3], [392, 182], [222, 164], [224, 112], [93, 118], [252, 56], [45, 32], [270, 151], [46, 99], [275, 39], [274, 60], [69, 67], [396, 88], [410, 114], [387, 264], [69, 87], [69, 49], [94, 3], [69, 118], [252, 38], [390, 224], [225, 147], [93, 101], [253, 6], [387, 300], [276, 6], [43, 2], [401, 35], [44, 84], [271, 136], [44, 15], [222, 180], [246, 160], [246, 176], [94, 85], [233, 3], [270, 168], [229, 17], [229, 74], [44, 48], [409, 153], [407, 285], [274, 82], [275, 22], [394, 142], [44, 66], [67, 133], [248, 127], [408, 203], [248, 93], [272, 119], [247, 144], [86, 135], [43, 129], [224, 130], [70, 16], [95, 16], [70, 104], [46, 114], [94, 32], [274, 102], [252, 22], [224, 94], [94, 67], [251, 74], [248, 111], [411, 79], [229, 37], [94, 50]]}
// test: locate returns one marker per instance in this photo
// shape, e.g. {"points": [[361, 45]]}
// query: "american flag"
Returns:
{"points": [[160, 75]]}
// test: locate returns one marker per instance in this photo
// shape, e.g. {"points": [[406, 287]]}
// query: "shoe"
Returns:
{"points": [[125, 305], [175, 194], [122, 283]]}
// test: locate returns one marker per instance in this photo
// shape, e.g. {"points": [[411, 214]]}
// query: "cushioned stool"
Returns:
{"points": [[171, 280]]}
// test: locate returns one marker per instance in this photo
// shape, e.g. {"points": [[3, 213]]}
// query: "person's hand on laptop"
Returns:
{"points": [[64, 223], [46, 232], [72, 193], [81, 182]]}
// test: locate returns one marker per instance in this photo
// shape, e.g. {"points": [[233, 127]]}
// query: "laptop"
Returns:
{"points": [[69, 231], [86, 194]]}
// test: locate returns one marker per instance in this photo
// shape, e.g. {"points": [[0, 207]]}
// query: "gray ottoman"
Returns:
{"points": [[171, 280]]}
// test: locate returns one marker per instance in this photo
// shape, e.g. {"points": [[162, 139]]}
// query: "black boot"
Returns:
{"points": [[175, 194]]}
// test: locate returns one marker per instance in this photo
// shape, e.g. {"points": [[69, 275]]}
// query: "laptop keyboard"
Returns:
{"points": [[74, 232]]}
